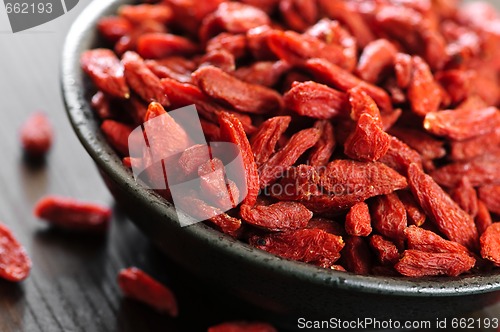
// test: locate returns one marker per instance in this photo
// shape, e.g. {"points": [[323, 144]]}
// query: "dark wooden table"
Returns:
{"points": [[72, 286]]}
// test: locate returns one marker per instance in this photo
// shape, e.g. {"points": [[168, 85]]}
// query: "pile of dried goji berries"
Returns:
{"points": [[368, 129]]}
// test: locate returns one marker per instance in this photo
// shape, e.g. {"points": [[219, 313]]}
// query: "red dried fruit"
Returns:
{"points": [[358, 220], [299, 14], [451, 220], [37, 135], [242, 96], [193, 157], [389, 217], [361, 103], [295, 48], [352, 18], [414, 213], [242, 327], [403, 67], [232, 17], [466, 197], [113, 28], [490, 243], [265, 73], [322, 152], [315, 100], [281, 216], [483, 218], [305, 245], [265, 139], [215, 188], [232, 131], [399, 156], [490, 196], [335, 76], [117, 135], [142, 80], [423, 91], [386, 251], [188, 14], [139, 286], [460, 125], [287, 156], [457, 84], [162, 45], [15, 265], [106, 71], [347, 182], [479, 171], [426, 145], [146, 12], [368, 142], [129, 42], [474, 147], [73, 215], [377, 57], [220, 59], [297, 183], [428, 241], [234, 44], [417, 263], [356, 255], [327, 225]]}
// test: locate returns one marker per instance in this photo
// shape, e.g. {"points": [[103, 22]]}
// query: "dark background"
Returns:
{"points": [[73, 282]]}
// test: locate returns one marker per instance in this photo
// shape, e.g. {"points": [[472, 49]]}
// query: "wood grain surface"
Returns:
{"points": [[73, 282]]}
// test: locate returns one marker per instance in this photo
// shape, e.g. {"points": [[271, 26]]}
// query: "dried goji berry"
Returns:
{"points": [[215, 188], [117, 135], [386, 251], [377, 57], [451, 220], [74, 215], [416, 263], [489, 195], [399, 156], [368, 142], [142, 80], [478, 171], [298, 14], [327, 225], [460, 125], [358, 220], [490, 243], [356, 255], [242, 96], [475, 147], [281, 216], [242, 327], [265, 73], [389, 217], [138, 285], [323, 150], [315, 100], [305, 245], [414, 213], [146, 12], [232, 131], [483, 217], [466, 197], [113, 28], [15, 265], [37, 135], [426, 145], [287, 156], [106, 72], [424, 93], [403, 67], [265, 139], [335, 76], [161, 45]]}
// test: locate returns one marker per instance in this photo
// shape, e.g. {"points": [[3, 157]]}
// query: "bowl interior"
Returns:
{"points": [[76, 91]]}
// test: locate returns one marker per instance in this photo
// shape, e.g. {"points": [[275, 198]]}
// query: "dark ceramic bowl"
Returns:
{"points": [[285, 289]]}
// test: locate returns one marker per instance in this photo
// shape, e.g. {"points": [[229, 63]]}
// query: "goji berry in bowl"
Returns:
{"points": [[320, 74]]}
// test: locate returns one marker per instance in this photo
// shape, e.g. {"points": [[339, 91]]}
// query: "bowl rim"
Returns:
{"points": [[84, 125]]}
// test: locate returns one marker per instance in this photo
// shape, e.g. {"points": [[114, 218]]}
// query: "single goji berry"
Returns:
{"points": [[146, 12], [281, 216], [376, 58], [385, 250], [416, 263], [74, 215], [483, 217], [490, 243], [37, 135], [389, 217], [265, 139], [356, 255], [161, 45], [15, 265], [466, 197], [358, 220], [323, 150], [117, 135], [138, 285]]}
